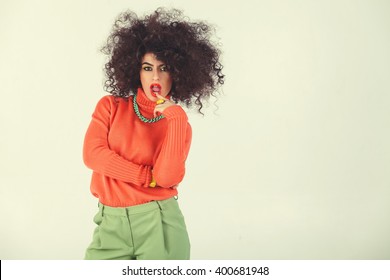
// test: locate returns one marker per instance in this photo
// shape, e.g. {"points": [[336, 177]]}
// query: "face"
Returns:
{"points": [[155, 77]]}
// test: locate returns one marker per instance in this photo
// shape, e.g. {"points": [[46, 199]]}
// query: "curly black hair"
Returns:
{"points": [[193, 59]]}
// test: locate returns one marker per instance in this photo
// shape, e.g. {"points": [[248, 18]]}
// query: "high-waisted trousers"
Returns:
{"points": [[150, 231]]}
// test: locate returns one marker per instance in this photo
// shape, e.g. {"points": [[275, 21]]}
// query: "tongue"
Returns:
{"points": [[156, 89]]}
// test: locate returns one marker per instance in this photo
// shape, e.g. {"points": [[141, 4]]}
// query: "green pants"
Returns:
{"points": [[151, 231]]}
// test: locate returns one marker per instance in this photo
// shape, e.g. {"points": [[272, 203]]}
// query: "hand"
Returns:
{"points": [[161, 107]]}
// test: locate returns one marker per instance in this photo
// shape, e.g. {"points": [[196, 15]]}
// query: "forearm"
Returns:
{"points": [[169, 168], [99, 157]]}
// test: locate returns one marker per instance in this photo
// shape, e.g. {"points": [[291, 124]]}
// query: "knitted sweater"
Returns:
{"points": [[125, 153]]}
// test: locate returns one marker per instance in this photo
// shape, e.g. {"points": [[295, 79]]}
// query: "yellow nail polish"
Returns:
{"points": [[153, 183], [160, 101]]}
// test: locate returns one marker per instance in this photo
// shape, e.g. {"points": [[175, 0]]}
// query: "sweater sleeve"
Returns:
{"points": [[169, 168], [100, 158]]}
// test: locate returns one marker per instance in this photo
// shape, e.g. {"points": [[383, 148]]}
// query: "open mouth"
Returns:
{"points": [[155, 88]]}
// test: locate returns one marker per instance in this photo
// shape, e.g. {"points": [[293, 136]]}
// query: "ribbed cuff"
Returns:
{"points": [[127, 171]]}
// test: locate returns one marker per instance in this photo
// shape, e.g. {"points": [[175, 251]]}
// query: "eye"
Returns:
{"points": [[164, 68], [147, 68]]}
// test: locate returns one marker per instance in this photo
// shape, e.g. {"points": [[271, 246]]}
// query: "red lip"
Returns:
{"points": [[155, 88]]}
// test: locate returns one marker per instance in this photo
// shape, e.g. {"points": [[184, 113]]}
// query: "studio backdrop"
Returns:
{"points": [[291, 160]]}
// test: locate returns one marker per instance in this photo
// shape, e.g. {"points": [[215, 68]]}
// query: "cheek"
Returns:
{"points": [[168, 81], [143, 78]]}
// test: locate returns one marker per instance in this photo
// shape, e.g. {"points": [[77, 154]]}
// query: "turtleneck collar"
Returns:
{"points": [[144, 102]]}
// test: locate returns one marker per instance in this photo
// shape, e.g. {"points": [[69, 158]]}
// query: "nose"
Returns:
{"points": [[156, 76]]}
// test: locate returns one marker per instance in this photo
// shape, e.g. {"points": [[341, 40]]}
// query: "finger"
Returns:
{"points": [[160, 97], [155, 112], [158, 110], [160, 101]]}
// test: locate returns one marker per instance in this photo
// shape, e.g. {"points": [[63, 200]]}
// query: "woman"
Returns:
{"points": [[139, 138]]}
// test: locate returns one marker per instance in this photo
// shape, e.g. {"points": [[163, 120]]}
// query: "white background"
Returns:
{"points": [[294, 163]]}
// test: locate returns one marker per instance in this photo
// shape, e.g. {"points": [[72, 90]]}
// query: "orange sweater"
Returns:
{"points": [[123, 151]]}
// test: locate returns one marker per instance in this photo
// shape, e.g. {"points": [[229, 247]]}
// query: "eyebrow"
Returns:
{"points": [[150, 64]]}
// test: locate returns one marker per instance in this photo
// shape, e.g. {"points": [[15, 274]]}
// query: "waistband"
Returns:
{"points": [[136, 209]]}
